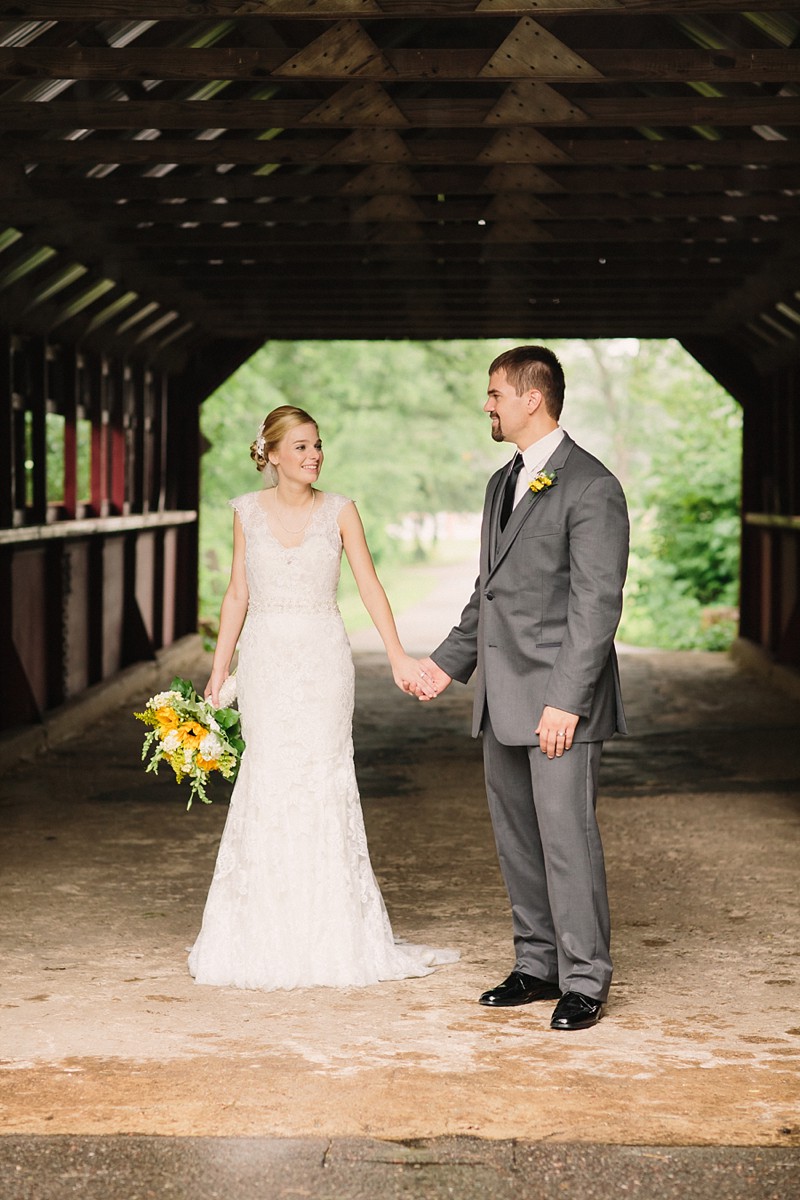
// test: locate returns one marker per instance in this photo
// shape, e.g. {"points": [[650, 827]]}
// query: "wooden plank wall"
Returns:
{"points": [[771, 524], [98, 522], [770, 532]]}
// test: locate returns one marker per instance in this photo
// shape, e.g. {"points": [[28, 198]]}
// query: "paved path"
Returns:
{"points": [[224, 1168], [102, 1031]]}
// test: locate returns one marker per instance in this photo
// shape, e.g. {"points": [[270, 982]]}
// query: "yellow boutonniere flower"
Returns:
{"points": [[542, 481]]}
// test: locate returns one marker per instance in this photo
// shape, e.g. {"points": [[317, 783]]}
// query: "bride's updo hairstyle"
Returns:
{"points": [[274, 428]]}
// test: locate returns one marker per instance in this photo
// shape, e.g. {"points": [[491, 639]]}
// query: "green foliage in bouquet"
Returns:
{"points": [[193, 737]]}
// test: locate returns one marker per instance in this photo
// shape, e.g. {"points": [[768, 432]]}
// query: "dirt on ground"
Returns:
{"points": [[104, 878]]}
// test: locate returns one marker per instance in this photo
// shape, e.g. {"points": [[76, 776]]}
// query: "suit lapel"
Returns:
{"points": [[494, 504], [503, 541]]}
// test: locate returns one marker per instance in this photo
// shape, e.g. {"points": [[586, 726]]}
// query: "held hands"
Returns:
{"points": [[432, 680], [420, 678], [555, 730], [410, 677]]}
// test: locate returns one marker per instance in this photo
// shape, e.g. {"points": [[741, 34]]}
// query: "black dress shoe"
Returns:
{"points": [[575, 1011], [519, 989]]}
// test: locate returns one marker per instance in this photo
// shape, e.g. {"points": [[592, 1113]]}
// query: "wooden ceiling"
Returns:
{"points": [[180, 173]]}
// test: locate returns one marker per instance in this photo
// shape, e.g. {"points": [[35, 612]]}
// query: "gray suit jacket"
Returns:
{"points": [[540, 625]]}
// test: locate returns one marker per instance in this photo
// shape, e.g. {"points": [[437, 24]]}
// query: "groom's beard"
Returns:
{"points": [[497, 431]]}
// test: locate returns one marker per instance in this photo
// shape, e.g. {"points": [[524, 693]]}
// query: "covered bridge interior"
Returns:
{"points": [[183, 181]]}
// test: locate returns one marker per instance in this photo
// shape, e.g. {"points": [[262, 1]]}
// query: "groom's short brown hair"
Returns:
{"points": [[534, 367]]}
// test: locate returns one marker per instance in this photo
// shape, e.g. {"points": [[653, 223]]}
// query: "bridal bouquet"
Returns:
{"points": [[192, 736]]}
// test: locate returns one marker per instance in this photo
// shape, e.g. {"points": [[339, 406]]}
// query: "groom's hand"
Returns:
{"points": [[433, 676], [555, 731]]}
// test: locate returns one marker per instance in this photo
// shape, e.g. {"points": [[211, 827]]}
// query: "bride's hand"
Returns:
{"points": [[211, 690], [411, 676], [438, 678]]}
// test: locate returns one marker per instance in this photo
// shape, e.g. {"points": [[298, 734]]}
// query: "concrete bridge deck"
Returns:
{"points": [[104, 878]]}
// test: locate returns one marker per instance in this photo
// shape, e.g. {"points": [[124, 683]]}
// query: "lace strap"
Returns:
{"points": [[336, 503], [243, 505]]}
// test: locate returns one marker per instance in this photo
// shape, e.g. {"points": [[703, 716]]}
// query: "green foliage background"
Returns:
{"points": [[404, 433]]}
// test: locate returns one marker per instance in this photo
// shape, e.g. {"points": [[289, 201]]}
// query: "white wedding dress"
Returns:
{"points": [[293, 901]]}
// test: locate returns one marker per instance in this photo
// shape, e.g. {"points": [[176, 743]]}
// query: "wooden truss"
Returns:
{"points": [[289, 168]]}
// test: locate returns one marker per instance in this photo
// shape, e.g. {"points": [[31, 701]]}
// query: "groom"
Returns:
{"points": [[539, 630]]}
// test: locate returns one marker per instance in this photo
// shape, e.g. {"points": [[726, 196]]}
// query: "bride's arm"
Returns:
{"points": [[231, 616], [408, 673]]}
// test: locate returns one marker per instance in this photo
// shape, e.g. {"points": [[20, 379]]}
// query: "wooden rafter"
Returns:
{"points": [[374, 109], [177, 10], [516, 146], [681, 182], [678, 183], [401, 166], [401, 66]]}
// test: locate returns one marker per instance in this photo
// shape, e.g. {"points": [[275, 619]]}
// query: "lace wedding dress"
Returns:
{"points": [[293, 901]]}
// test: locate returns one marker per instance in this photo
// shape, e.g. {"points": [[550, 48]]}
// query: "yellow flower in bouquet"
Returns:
{"points": [[193, 737]]}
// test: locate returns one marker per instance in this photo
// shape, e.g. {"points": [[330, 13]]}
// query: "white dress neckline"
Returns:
{"points": [[319, 502]]}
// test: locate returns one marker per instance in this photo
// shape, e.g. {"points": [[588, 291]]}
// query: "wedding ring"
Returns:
{"points": [[561, 733]]}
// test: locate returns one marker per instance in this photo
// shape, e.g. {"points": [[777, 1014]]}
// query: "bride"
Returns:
{"points": [[293, 901]]}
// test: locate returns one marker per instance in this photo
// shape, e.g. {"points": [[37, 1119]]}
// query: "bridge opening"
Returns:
{"points": [[405, 435]]}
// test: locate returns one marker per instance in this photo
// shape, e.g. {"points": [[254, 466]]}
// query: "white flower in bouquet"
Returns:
{"points": [[210, 746], [194, 738], [227, 693]]}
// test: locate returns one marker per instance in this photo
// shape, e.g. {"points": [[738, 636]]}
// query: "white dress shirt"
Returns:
{"points": [[534, 458]]}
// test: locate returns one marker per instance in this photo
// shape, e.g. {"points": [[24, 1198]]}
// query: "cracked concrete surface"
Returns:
{"points": [[104, 877]]}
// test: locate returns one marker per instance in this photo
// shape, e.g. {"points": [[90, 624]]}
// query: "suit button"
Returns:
{"points": [[490, 595]]}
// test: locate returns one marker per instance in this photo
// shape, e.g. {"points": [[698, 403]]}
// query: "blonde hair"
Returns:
{"points": [[274, 428]]}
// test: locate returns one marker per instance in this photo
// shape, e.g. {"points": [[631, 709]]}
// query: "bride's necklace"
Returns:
{"points": [[308, 518]]}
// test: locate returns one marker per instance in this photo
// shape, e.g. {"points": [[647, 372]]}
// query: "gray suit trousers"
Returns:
{"points": [[551, 857]]}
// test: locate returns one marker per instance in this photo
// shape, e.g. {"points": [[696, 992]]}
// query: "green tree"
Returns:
{"points": [[681, 467], [402, 427], [405, 436]]}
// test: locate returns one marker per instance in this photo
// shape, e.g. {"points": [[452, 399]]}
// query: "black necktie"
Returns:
{"points": [[509, 490]]}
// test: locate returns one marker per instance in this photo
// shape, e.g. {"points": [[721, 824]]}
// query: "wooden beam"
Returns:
{"points": [[8, 464], [89, 243], [428, 308], [623, 292], [401, 66], [179, 10], [431, 321], [129, 243], [337, 181], [753, 151], [453, 272], [738, 257], [405, 114], [509, 146], [402, 208], [775, 280], [387, 300], [431, 277], [286, 252]]}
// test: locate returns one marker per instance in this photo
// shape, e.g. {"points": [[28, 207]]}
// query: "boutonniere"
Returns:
{"points": [[542, 481]]}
